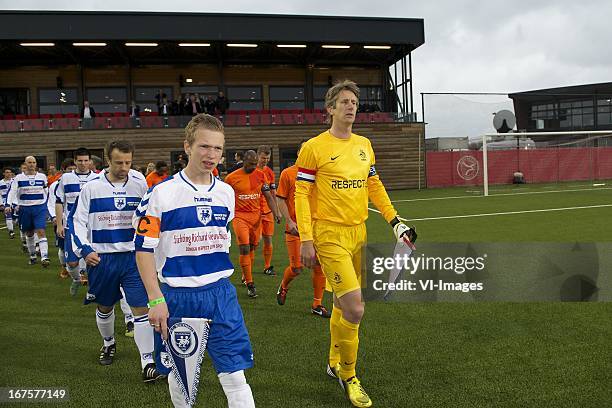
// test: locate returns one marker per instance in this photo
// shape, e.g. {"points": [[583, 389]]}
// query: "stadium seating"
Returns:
{"points": [[121, 120]]}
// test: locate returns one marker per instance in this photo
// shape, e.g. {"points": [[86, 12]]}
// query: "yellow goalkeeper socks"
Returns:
{"points": [[334, 347], [348, 340]]}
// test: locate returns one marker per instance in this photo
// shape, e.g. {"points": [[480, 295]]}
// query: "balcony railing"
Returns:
{"points": [[147, 120]]}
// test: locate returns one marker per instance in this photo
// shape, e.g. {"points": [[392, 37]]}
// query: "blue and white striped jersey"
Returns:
{"points": [[186, 226], [28, 190], [101, 219], [5, 185], [69, 188], [51, 199]]}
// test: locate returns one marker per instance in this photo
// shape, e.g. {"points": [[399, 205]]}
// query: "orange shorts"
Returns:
{"points": [[247, 232], [293, 250], [267, 224]]}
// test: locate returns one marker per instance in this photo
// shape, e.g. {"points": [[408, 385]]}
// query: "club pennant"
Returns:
{"points": [[181, 355], [401, 250]]}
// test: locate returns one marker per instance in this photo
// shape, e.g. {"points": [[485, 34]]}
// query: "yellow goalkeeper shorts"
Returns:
{"points": [[339, 249]]}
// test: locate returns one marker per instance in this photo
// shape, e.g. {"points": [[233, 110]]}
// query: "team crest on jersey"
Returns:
{"points": [[184, 339], [120, 203], [32, 182], [204, 213]]}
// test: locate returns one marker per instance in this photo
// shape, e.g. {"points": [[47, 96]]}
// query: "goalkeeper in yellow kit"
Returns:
{"points": [[336, 169]]}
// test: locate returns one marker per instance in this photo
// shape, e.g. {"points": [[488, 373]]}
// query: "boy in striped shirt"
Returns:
{"points": [[182, 239]]}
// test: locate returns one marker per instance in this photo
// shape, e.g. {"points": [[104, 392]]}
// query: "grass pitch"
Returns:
{"points": [[411, 355]]}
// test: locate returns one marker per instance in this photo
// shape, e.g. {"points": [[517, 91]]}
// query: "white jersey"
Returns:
{"points": [[69, 188], [187, 227], [28, 190], [51, 199], [101, 219], [5, 186]]}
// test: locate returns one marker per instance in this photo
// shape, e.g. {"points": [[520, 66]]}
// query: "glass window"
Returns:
{"points": [[54, 96], [109, 107], [149, 94], [319, 92], [604, 119], [286, 93], [287, 97], [209, 89], [254, 105], [106, 95], [14, 101], [242, 93], [61, 108], [287, 105]]}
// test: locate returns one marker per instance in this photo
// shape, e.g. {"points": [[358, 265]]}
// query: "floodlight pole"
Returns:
{"points": [[485, 170]]}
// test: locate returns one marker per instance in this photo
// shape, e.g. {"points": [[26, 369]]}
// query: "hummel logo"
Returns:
{"points": [[345, 363], [334, 158]]}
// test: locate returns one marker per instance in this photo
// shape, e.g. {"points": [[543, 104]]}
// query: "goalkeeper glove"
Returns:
{"points": [[403, 233]]}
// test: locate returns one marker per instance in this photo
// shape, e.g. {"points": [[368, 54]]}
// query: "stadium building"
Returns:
{"points": [[273, 70], [571, 108]]}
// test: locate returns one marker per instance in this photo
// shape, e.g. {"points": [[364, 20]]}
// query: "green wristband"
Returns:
{"points": [[156, 302]]}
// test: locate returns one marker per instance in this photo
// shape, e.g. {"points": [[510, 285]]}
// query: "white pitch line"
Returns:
{"points": [[5, 227], [502, 194], [501, 213]]}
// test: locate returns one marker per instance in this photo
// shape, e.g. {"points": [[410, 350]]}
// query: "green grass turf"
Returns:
{"points": [[411, 355]]}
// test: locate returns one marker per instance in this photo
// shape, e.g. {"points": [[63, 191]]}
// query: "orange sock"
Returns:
{"points": [[267, 253], [245, 265], [288, 276], [318, 285], [252, 255]]}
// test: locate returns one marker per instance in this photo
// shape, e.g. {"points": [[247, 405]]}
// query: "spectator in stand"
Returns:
{"points": [[134, 110], [53, 174], [199, 99], [87, 112], [238, 157], [186, 99], [149, 169], [159, 175], [178, 166], [222, 103], [95, 164], [221, 167], [209, 105], [193, 107], [159, 97], [165, 108]]}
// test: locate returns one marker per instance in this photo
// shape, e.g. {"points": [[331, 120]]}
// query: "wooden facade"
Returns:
{"points": [[399, 148]]}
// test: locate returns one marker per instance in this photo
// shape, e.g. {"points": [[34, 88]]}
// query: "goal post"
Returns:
{"points": [[545, 157]]}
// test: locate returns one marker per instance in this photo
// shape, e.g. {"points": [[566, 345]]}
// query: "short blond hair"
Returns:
{"points": [[202, 121], [331, 97]]}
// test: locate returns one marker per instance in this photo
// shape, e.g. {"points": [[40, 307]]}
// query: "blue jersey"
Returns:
{"points": [[28, 190], [101, 219], [186, 226], [69, 187]]}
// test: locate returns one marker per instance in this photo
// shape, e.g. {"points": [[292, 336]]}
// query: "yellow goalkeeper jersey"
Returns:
{"points": [[344, 174]]}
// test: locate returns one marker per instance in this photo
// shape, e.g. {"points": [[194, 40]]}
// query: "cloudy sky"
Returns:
{"points": [[470, 46]]}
